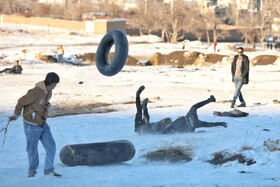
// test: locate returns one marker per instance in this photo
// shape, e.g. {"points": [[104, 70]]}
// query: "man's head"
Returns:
{"points": [[240, 51], [17, 62], [51, 80]]}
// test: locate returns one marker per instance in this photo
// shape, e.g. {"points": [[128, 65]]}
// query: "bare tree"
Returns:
{"points": [[175, 19], [146, 18], [262, 29], [265, 19], [5, 7], [12, 6], [196, 23], [40, 10], [172, 19], [111, 8], [247, 24], [74, 11], [212, 23]]}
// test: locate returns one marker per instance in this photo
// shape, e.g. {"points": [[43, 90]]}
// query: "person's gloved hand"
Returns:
{"points": [[47, 106], [225, 124], [13, 117]]}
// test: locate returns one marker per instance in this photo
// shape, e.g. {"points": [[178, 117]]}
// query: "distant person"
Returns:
{"points": [[60, 53], [184, 44], [267, 45], [215, 46], [35, 105], [240, 75], [16, 69], [183, 124], [277, 46]]}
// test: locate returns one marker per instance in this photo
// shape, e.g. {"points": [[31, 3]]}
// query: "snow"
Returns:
{"points": [[171, 91]]}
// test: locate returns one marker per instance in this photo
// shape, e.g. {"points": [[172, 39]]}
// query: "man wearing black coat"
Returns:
{"points": [[240, 75]]}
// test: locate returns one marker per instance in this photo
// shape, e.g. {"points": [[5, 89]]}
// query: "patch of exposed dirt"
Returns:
{"points": [[46, 58], [221, 158], [182, 58], [78, 108], [170, 154], [264, 60], [89, 58], [214, 58], [176, 59]]}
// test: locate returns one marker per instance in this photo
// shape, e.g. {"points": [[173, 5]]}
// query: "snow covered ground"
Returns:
{"points": [[171, 91]]}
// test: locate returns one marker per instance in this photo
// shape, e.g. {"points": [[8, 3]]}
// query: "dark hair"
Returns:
{"points": [[241, 48], [51, 77]]}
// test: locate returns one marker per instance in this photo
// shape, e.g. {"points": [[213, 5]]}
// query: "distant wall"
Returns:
{"points": [[101, 26], [57, 23]]}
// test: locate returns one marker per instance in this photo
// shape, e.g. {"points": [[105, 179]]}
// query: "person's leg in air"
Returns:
{"points": [[192, 116], [138, 116]]}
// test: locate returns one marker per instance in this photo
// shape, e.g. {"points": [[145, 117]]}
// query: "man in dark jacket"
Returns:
{"points": [[187, 123], [240, 75]]}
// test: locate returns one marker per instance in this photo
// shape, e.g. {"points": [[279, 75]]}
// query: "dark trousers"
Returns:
{"points": [[7, 70], [139, 119], [192, 115], [190, 121]]}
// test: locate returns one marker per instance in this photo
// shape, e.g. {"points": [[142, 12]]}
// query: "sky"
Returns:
{"points": [[171, 92]]}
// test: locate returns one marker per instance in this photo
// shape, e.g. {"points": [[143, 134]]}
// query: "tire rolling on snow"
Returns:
{"points": [[103, 64], [100, 153]]}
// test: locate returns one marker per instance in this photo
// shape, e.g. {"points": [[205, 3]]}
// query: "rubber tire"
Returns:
{"points": [[103, 64]]}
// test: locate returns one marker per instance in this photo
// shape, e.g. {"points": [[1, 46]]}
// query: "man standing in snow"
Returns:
{"points": [[240, 75], [187, 123], [35, 104], [60, 53], [215, 46]]}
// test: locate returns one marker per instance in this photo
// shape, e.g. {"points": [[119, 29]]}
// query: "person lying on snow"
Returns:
{"points": [[16, 69], [187, 123]]}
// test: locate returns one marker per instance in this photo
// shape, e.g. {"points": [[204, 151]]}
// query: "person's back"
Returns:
{"points": [[181, 124], [160, 126]]}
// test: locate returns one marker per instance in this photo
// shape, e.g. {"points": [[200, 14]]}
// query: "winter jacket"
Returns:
{"points": [[181, 124], [33, 104], [16, 69], [60, 51], [244, 69]]}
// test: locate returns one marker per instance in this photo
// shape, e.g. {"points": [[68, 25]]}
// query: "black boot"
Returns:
{"points": [[232, 105], [140, 89], [212, 98], [144, 104], [224, 124], [243, 104]]}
